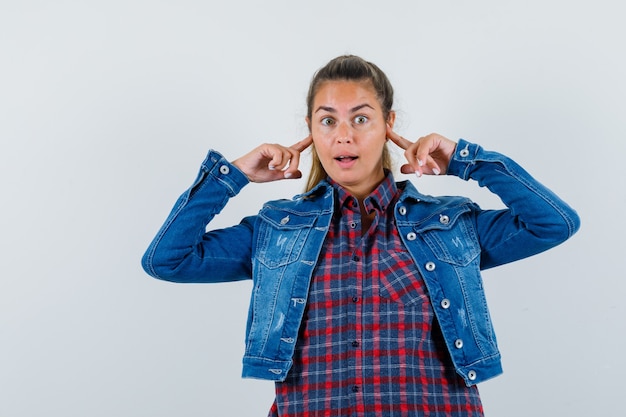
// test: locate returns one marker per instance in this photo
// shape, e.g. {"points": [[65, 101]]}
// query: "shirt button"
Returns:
{"points": [[445, 303], [224, 169], [356, 258], [402, 210], [471, 375], [355, 388], [458, 343], [430, 266], [352, 225], [355, 343], [355, 299], [411, 236]]}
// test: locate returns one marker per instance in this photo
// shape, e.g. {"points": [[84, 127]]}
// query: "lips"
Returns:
{"points": [[346, 161], [345, 158]]}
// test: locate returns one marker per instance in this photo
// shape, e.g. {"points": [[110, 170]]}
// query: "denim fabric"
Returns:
{"points": [[449, 238]]}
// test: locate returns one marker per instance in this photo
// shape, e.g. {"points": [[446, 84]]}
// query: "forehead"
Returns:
{"points": [[342, 92]]}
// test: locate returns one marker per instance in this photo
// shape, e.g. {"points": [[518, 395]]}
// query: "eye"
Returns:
{"points": [[327, 121], [359, 120]]}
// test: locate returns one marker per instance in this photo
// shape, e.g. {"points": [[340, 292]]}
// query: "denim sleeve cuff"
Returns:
{"points": [[463, 159], [217, 167]]}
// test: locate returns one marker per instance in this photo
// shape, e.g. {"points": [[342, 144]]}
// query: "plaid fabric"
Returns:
{"points": [[369, 344]]}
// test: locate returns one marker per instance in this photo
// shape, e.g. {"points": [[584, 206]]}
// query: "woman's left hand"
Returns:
{"points": [[430, 155]]}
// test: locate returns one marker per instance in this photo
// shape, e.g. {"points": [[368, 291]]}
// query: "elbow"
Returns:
{"points": [[575, 222], [561, 230], [148, 265], [156, 267], [571, 224]]}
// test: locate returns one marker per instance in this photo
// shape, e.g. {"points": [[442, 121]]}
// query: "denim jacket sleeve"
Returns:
{"points": [[182, 250], [535, 218]]}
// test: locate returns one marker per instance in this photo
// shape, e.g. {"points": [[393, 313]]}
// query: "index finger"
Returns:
{"points": [[397, 139], [303, 144]]}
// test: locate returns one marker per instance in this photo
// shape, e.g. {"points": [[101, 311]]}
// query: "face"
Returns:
{"points": [[349, 134]]}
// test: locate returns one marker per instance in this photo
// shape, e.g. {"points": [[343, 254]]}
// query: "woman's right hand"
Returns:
{"points": [[271, 162]]}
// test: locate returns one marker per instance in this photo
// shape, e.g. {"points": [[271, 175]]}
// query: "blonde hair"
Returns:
{"points": [[349, 68]]}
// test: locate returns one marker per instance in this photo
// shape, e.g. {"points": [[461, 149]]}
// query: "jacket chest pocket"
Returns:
{"points": [[456, 244], [281, 237]]}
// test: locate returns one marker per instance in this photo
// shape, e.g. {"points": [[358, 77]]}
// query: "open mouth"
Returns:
{"points": [[345, 158]]}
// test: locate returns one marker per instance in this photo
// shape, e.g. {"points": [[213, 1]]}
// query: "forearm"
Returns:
{"points": [[182, 251], [535, 220]]}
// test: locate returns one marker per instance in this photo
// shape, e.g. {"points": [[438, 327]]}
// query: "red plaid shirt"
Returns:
{"points": [[369, 344]]}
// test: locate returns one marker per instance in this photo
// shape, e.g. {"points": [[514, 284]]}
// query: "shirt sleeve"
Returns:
{"points": [[182, 250], [535, 219]]}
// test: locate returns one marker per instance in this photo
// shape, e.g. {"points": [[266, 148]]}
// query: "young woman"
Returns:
{"points": [[367, 296]]}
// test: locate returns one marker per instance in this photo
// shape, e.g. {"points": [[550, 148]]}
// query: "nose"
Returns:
{"points": [[344, 133]]}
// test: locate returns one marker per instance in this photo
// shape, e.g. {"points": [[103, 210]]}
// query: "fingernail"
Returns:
{"points": [[436, 171], [419, 174], [288, 174], [420, 162], [271, 167]]}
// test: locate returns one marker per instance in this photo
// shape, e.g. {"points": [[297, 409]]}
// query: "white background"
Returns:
{"points": [[107, 109]]}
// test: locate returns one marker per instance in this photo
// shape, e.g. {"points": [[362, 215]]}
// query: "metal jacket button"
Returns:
{"points": [[445, 303], [224, 169], [284, 220], [430, 266], [471, 375], [402, 210], [458, 343], [443, 219], [411, 236]]}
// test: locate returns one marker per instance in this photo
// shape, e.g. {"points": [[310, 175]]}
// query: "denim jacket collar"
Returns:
{"points": [[409, 192]]}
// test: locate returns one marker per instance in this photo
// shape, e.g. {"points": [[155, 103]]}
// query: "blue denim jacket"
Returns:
{"points": [[450, 239]]}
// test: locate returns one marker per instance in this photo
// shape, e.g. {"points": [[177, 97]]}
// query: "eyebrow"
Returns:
{"points": [[352, 110]]}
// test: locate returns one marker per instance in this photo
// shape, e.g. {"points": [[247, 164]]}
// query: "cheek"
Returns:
{"points": [[321, 142], [319, 133], [320, 150], [378, 139]]}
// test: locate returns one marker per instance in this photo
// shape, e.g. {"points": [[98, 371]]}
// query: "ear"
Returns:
{"points": [[308, 123], [391, 119]]}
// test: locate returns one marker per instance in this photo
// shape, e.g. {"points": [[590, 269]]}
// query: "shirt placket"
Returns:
{"points": [[354, 293]]}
